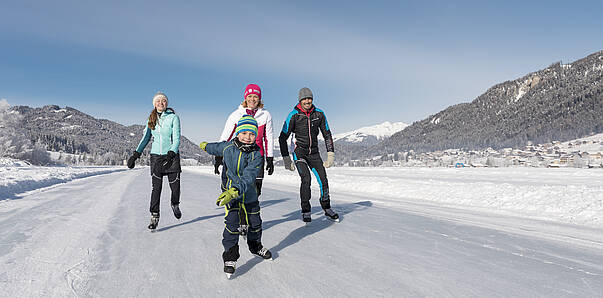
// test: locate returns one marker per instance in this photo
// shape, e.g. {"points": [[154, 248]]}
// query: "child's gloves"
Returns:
{"points": [[227, 196], [202, 145], [330, 160], [288, 164]]}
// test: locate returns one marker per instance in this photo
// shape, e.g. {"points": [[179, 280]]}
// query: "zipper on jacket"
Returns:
{"points": [[160, 138], [239, 174], [239, 164], [309, 134]]}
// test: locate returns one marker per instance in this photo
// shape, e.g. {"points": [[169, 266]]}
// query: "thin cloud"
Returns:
{"points": [[406, 66], [219, 36]]}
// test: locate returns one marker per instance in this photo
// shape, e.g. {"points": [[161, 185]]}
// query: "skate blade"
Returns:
{"points": [[228, 275], [258, 256], [333, 220]]}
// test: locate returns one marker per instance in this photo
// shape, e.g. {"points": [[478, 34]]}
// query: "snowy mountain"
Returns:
{"points": [[559, 103], [370, 135], [349, 145], [592, 143], [98, 141], [353, 143]]}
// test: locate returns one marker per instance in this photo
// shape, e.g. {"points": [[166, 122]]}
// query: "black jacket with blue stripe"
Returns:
{"points": [[305, 127]]}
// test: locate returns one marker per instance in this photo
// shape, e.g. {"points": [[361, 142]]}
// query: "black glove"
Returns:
{"points": [[217, 163], [270, 165], [132, 159], [167, 162]]}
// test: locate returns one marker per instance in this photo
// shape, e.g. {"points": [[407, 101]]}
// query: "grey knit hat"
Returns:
{"points": [[305, 93]]}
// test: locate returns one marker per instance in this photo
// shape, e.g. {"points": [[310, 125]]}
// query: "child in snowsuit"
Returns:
{"points": [[243, 160]]}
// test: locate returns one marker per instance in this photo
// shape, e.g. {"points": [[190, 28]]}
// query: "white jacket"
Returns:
{"points": [[265, 135]]}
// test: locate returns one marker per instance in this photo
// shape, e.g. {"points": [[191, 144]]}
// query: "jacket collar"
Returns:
{"points": [[166, 112], [245, 147], [243, 111], [300, 109]]}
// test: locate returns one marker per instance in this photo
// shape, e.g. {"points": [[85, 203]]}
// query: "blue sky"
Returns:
{"points": [[367, 62]]}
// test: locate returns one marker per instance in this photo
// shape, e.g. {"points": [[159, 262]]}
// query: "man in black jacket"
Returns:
{"points": [[305, 121]]}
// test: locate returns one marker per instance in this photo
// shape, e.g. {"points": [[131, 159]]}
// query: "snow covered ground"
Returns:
{"points": [[17, 177], [564, 195], [404, 232]]}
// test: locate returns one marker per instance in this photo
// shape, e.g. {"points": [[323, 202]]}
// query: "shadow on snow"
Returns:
{"points": [[200, 218], [317, 225]]}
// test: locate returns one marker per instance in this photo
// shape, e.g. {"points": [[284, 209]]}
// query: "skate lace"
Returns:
{"points": [[243, 229], [330, 212], [262, 252], [230, 263], [306, 214]]}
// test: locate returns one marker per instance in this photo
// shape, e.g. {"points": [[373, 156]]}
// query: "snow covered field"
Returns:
{"points": [[565, 195], [17, 177], [511, 232]]}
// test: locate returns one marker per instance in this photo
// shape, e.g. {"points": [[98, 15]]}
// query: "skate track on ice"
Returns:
{"points": [[88, 238]]}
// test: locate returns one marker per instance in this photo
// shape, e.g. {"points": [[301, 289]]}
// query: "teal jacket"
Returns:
{"points": [[166, 135], [242, 168]]}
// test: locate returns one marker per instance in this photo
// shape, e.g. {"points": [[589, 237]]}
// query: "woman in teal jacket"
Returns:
{"points": [[164, 125]]}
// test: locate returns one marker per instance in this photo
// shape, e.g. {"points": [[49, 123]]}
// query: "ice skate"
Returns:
{"points": [[258, 250], [176, 209], [229, 268], [307, 217], [331, 215], [154, 221]]}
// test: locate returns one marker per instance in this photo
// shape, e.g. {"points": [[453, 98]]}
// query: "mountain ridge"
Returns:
{"points": [[71, 131], [561, 102], [377, 132]]}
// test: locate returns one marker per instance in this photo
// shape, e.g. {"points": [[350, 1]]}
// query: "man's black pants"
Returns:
{"points": [[306, 164]]}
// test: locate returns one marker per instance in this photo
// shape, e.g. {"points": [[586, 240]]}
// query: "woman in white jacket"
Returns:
{"points": [[252, 105]]}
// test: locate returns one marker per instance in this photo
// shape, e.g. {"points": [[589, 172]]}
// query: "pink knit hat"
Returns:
{"points": [[253, 89]]}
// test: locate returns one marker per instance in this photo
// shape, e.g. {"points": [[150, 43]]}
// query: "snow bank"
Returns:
{"points": [[17, 177], [565, 195]]}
